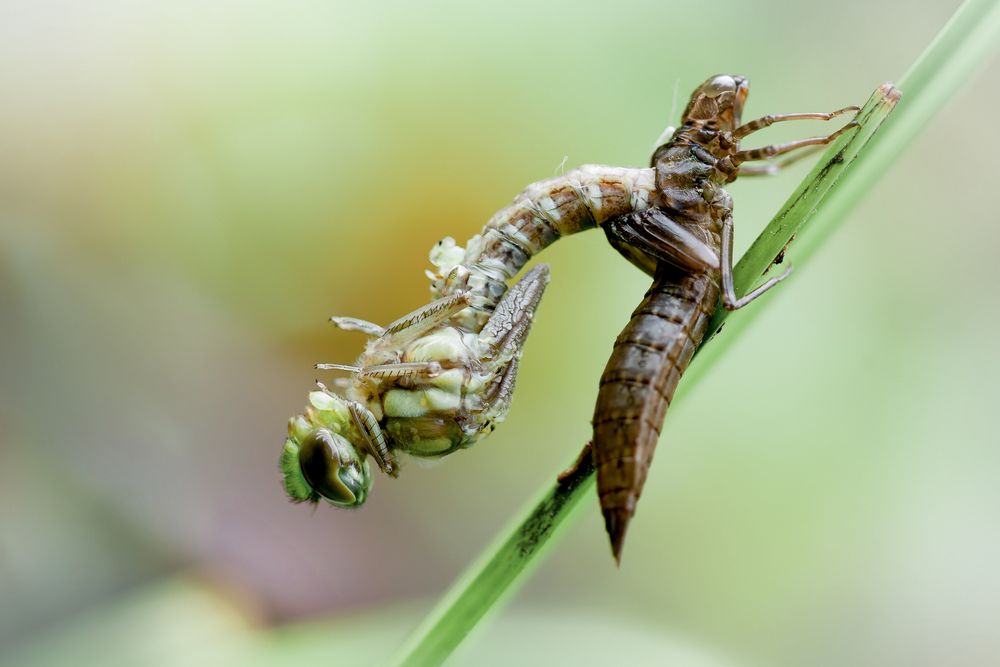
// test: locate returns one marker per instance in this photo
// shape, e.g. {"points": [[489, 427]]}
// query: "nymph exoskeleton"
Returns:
{"points": [[684, 240]]}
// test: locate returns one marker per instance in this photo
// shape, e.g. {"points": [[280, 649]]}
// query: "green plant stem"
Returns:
{"points": [[848, 168]]}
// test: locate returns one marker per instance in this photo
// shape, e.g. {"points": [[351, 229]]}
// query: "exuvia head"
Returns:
{"points": [[718, 103], [318, 462]]}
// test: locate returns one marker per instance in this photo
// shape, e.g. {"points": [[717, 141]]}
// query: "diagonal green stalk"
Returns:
{"points": [[849, 167]]}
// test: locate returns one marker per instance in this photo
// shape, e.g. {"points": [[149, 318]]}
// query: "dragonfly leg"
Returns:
{"points": [[769, 120], [774, 167], [337, 367], [354, 324], [374, 437], [733, 162], [423, 319], [729, 299], [421, 369]]}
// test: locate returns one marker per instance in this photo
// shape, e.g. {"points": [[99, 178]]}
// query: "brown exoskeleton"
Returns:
{"points": [[684, 240]]}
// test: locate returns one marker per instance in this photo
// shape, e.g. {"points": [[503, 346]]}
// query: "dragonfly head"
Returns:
{"points": [[718, 103], [324, 464]]}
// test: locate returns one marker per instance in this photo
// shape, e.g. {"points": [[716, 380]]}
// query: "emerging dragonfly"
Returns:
{"points": [[424, 385], [441, 377]]}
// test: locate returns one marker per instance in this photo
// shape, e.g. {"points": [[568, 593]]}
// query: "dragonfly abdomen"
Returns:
{"points": [[638, 383], [543, 213]]}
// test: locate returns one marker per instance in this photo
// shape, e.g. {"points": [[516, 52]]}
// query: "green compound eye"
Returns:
{"points": [[332, 467]]}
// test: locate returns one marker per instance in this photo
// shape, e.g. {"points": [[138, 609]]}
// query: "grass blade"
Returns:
{"points": [[490, 578]]}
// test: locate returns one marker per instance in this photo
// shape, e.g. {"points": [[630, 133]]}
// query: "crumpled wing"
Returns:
{"points": [[648, 237]]}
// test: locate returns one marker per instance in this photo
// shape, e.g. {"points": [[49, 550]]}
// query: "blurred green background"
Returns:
{"points": [[188, 190]]}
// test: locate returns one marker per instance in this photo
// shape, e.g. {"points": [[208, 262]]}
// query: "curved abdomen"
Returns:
{"points": [[638, 383], [543, 213]]}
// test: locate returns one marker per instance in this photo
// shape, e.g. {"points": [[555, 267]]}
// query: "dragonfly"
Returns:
{"points": [[424, 385], [442, 377]]}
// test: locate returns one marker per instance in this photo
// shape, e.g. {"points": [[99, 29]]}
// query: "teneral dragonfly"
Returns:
{"points": [[440, 378]]}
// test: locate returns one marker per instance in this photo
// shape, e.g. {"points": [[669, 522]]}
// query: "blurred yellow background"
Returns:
{"points": [[188, 190]]}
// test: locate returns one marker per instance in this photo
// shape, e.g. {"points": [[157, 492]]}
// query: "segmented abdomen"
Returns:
{"points": [[544, 212], [639, 381]]}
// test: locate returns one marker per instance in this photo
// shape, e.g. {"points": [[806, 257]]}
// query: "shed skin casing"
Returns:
{"points": [[655, 348], [684, 240]]}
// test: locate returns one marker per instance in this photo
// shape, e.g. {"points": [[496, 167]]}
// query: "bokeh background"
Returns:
{"points": [[188, 190]]}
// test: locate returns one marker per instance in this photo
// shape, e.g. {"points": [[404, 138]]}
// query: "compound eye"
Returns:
{"points": [[720, 84], [332, 467]]}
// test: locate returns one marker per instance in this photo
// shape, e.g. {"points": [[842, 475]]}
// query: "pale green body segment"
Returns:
{"points": [[440, 378], [423, 387], [432, 416]]}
